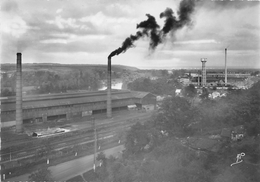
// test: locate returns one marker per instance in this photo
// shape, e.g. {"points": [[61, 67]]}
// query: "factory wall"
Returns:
{"points": [[70, 111], [55, 107], [149, 99], [148, 102]]}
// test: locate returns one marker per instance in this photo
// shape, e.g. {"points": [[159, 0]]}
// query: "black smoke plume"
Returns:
{"points": [[151, 29], [171, 22], [148, 28], [185, 10]]}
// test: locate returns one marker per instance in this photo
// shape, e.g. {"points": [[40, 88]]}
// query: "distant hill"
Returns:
{"points": [[63, 67], [126, 67], [55, 78]]}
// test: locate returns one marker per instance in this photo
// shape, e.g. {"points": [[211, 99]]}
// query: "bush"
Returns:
{"points": [[90, 175], [78, 178]]}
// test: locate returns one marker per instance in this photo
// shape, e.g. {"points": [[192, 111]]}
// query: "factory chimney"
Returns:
{"points": [[19, 110], [198, 78], [225, 66], [203, 60], [109, 110]]}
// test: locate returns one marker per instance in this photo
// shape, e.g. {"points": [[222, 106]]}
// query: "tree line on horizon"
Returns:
{"points": [[44, 82]]}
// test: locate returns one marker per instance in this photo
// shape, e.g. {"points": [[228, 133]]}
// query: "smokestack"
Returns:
{"points": [[203, 60], [109, 110], [225, 66], [19, 111], [198, 78]]}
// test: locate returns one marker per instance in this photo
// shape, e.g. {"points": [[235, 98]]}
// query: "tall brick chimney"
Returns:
{"points": [[225, 66], [109, 107], [19, 110]]}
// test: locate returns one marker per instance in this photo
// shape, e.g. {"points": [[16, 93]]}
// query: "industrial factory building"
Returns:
{"points": [[206, 78], [70, 105], [41, 108], [218, 78]]}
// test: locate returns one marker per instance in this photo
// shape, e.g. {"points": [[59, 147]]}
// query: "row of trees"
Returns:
{"points": [[51, 82], [56, 81], [160, 86], [165, 83]]}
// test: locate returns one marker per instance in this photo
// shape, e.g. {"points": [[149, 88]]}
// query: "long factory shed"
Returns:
{"points": [[69, 105]]}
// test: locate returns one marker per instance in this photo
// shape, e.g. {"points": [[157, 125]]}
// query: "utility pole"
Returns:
{"points": [[225, 66], [10, 153], [198, 78], [95, 143]]}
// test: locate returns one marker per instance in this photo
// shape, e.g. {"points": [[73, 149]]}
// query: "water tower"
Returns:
{"points": [[204, 78]]}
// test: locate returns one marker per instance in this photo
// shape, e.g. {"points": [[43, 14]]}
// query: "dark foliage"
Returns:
{"points": [[160, 86], [41, 175], [76, 179], [171, 160]]}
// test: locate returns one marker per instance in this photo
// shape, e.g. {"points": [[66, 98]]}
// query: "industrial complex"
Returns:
{"points": [[69, 105], [41, 108], [210, 78]]}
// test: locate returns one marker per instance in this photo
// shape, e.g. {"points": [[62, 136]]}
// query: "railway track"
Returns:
{"points": [[103, 130], [58, 147], [84, 128], [7, 146]]}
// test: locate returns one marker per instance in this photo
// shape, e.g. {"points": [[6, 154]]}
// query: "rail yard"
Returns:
{"points": [[79, 141]]}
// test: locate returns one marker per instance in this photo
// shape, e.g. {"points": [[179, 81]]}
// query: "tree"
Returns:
{"points": [[6, 92], [205, 94], [160, 86], [164, 73], [243, 106], [136, 139], [176, 73], [41, 175], [190, 92], [255, 73], [102, 171], [141, 84], [253, 128], [172, 160], [175, 115], [121, 171], [45, 150]]}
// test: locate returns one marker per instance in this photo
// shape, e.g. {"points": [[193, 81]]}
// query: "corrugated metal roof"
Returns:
{"points": [[70, 99]]}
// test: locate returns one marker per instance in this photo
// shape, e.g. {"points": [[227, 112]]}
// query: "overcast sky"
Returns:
{"points": [[86, 31]]}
